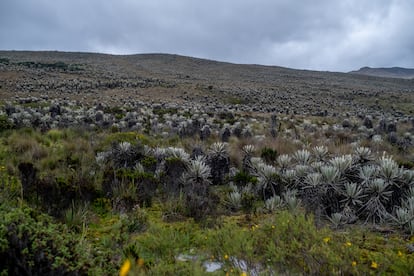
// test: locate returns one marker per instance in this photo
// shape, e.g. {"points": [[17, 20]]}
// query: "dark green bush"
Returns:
{"points": [[130, 187], [149, 163], [5, 123], [242, 178], [269, 155], [31, 244]]}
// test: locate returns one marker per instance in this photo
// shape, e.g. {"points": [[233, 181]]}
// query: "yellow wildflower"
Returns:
{"points": [[226, 257], [125, 268], [374, 265], [273, 227], [348, 243], [243, 274], [327, 239], [400, 254], [354, 263]]}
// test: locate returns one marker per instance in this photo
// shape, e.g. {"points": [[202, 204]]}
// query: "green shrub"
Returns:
{"points": [[149, 163], [269, 155], [5, 123], [173, 209], [248, 200], [101, 205], [136, 220], [129, 187], [55, 135], [31, 244], [119, 137], [242, 178]]}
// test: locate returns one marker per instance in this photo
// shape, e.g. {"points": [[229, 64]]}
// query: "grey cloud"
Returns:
{"points": [[320, 34]]}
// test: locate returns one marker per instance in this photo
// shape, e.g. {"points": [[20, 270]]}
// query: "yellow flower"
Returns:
{"points": [[327, 239], [273, 227], [374, 265], [243, 274], [348, 243], [226, 257], [125, 268], [354, 263], [400, 254]]}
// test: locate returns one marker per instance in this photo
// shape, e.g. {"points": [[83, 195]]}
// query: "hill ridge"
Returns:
{"points": [[387, 72]]}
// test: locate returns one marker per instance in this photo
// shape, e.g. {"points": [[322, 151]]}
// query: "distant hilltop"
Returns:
{"points": [[392, 72]]}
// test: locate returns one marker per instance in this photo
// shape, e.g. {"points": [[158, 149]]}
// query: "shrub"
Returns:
{"points": [[269, 155], [149, 163], [55, 135], [31, 244], [136, 220], [174, 209], [243, 178], [129, 187], [5, 124]]}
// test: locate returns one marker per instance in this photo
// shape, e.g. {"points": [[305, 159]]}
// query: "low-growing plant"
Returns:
{"points": [[174, 208], [136, 220], [273, 204], [234, 200], [76, 216]]}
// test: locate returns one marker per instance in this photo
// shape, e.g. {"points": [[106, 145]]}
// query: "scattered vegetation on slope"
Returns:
{"points": [[213, 183]]}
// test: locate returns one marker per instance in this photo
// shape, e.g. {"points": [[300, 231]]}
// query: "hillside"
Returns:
{"points": [[168, 165], [94, 77], [393, 72]]}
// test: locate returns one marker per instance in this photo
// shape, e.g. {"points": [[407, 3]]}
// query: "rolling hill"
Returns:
{"points": [[92, 77], [393, 72]]}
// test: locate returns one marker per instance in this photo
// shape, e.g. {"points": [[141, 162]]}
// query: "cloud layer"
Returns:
{"points": [[321, 34]]}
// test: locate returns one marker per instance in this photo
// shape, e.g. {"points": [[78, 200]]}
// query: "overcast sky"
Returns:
{"points": [[334, 35]]}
